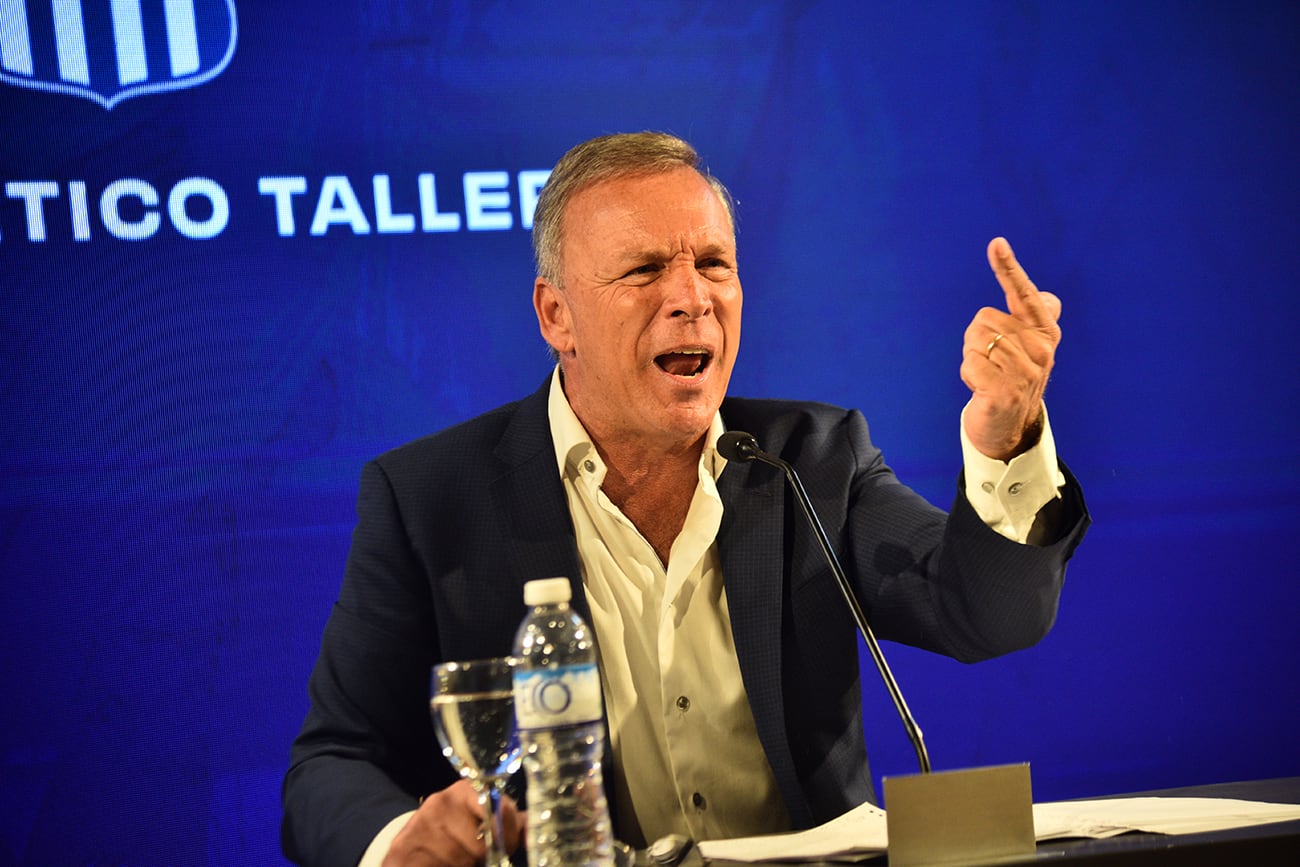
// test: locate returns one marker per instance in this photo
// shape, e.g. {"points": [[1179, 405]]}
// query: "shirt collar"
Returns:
{"points": [[573, 445]]}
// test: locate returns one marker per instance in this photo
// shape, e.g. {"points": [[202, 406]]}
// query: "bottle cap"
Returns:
{"points": [[547, 591]]}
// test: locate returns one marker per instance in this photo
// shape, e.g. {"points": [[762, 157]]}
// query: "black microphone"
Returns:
{"points": [[739, 446]]}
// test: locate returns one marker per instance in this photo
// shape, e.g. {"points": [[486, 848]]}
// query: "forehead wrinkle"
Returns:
{"points": [[703, 238], [647, 231]]}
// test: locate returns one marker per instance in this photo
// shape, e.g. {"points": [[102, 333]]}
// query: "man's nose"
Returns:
{"points": [[690, 294]]}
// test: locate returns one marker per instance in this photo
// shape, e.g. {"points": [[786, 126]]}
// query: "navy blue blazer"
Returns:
{"points": [[451, 526]]}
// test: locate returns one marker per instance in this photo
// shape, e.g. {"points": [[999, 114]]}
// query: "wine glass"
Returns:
{"points": [[474, 714]]}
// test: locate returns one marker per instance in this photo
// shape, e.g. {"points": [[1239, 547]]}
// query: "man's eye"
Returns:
{"points": [[643, 270], [707, 264]]}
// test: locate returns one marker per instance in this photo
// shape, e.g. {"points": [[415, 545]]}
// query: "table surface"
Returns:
{"points": [[1277, 843]]}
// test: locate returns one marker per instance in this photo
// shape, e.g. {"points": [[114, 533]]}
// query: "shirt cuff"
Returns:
{"points": [[378, 848], [1008, 495]]}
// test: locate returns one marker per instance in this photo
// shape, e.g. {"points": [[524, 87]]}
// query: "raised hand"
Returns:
{"points": [[1007, 358]]}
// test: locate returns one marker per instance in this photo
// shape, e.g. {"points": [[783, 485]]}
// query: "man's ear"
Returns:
{"points": [[553, 316]]}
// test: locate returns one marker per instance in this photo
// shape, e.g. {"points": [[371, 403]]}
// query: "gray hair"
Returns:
{"points": [[599, 159]]}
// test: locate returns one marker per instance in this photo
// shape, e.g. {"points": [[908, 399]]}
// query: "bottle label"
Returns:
{"points": [[555, 697]]}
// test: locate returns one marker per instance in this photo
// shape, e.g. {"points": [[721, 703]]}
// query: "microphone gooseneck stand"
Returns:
{"points": [[742, 447]]}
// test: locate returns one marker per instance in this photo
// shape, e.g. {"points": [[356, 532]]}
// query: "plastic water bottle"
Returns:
{"points": [[558, 710]]}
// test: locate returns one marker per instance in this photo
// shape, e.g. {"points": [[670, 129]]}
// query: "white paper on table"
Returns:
{"points": [[854, 836], [1111, 816], [861, 833]]}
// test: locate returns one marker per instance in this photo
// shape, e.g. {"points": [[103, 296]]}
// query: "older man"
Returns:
{"points": [[728, 662]]}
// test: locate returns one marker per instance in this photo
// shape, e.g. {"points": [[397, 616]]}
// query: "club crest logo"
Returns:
{"points": [[111, 50]]}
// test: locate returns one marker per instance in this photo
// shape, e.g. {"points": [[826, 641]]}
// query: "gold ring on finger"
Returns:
{"points": [[988, 352]]}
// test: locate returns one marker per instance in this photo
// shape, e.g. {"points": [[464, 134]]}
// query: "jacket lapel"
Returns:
{"points": [[529, 497], [751, 551]]}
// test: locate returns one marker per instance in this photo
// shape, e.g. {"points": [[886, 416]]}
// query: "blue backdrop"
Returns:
{"points": [[248, 248]]}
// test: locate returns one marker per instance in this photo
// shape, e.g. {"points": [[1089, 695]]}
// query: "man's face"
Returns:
{"points": [[647, 324]]}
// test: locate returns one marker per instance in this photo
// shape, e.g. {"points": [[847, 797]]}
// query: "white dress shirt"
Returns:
{"points": [[685, 748]]}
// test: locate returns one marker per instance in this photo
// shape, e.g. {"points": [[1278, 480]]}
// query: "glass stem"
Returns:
{"points": [[489, 798]]}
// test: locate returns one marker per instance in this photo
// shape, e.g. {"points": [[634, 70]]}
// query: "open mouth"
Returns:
{"points": [[685, 363]]}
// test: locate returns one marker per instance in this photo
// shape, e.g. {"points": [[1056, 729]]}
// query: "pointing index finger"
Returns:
{"points": [[1023, 298]]}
